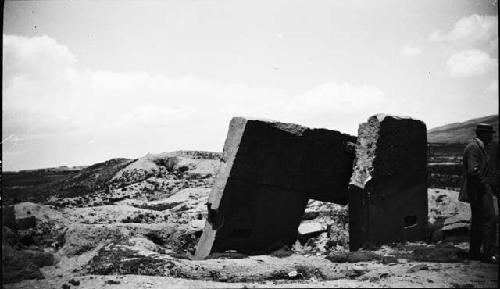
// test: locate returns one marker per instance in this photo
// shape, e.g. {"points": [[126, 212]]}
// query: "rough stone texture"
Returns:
{"points": [[26, 223], [268, 172], [20, 265], [9, 217], [388, 188]]}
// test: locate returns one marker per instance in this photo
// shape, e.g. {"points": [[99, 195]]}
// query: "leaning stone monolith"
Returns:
{"points": [[388, 187], [269, 170]]}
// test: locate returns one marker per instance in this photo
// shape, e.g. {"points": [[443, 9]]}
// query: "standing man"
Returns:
{"points": [[477, 191]]}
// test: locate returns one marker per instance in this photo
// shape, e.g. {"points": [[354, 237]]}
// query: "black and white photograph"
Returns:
{"points": [[250, 144]]}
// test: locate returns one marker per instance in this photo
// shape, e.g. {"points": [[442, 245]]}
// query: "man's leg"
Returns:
{"points": [[475, 231], [488, 224]]}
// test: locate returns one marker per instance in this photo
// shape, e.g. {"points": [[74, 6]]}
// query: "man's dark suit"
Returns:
{"points": [[476, 186]]}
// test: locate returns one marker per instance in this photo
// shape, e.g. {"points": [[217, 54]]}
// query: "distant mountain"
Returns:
{"points": [[461, 132]]}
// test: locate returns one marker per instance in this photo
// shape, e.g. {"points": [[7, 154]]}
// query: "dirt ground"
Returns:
{"points": [[471, 274]]}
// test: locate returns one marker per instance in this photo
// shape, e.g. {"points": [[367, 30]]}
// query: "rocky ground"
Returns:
{"points": [[141, 231]]}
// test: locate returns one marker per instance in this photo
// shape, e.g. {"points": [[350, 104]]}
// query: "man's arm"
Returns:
{"points": [[474, 172]]}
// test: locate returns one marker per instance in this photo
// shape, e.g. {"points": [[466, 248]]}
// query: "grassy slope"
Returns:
{"points": [[460, 132]]}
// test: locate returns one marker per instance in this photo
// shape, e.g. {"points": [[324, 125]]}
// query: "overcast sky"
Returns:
{"points": [[86, 81]]}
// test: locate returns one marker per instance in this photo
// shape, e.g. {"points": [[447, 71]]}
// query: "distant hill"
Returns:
{"points": [[60, 169], [461, 132], [34, 185], [446, 146], [39, 185]]}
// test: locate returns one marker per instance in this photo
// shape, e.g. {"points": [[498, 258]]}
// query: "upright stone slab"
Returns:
{"points": [[269, 171], [388, 188]]}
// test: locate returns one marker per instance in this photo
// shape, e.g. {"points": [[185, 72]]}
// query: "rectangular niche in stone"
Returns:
{"points": [[388, 187], [269, 170]]}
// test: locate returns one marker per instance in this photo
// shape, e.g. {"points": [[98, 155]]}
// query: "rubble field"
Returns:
{"points": [[141, 231]]}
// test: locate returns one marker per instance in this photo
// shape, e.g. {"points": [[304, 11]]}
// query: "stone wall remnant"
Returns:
{"points": [[268, 172], [388, 187]]}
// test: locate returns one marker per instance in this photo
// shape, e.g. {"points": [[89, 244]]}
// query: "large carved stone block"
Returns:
{"points": [[269, 171], [388, 187]]}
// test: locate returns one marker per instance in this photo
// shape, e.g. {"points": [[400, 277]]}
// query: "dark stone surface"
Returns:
{"points": [[388, 188], [439, 254], [26, 223], [314, 161], [256, 217], [269, 171], [9, 217], [353, 257], [23, 264]]}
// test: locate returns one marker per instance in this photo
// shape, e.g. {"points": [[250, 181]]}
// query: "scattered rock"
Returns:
{"points": [[112, 282], [197, 225], [293, 274], [374, 279], [389, 259], [65, 286], [305, 272], [143, 244], [445, 254], [353, 257], [308, 230], [418, 267], [299, 273], [120, 258], [355, 272], [80, 238], [448, 217], [74, 282], [282, 252]]}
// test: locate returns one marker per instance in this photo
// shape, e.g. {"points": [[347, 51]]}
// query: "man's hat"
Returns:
{"points": [[484, 127]]}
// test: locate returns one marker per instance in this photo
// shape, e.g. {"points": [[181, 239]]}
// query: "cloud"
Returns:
{"points": [[470, 63], [471, 30], [51, 103], [492, 87], [339, 106], [34, 58], [53, 88], [410, 51], [470, 46]]}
